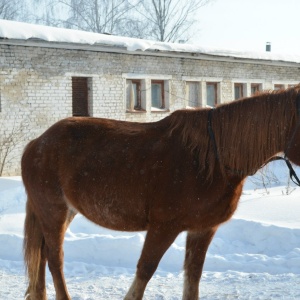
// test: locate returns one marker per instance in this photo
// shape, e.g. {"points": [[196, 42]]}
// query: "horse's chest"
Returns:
{"points": [[216, 207]]}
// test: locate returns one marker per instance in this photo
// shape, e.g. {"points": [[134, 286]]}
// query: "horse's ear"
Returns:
{"points": [[293, 150]]}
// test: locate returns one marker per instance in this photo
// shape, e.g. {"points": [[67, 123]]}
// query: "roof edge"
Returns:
{"points": [[36, 42]]}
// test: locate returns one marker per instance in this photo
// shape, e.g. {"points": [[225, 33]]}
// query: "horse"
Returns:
{"points": [[182, 173]]}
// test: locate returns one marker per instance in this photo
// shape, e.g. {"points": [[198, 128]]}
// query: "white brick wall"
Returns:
{"points": [[36, 89]]}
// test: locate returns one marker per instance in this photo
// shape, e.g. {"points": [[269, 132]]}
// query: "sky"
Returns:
{"points": [[250, 24]]}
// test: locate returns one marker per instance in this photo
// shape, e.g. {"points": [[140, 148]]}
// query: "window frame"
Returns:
{"points": [[146, 94], [197, 102], [255, 88], [282, 84], [279, 86], [162, 94], [240, 86], [137, 106], [215, 84], [138, 103]]}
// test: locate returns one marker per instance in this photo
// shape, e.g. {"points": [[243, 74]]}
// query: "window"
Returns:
{"points": [[193, 93], [285, 85], [80, 103], [238, 90], [211, 93], [146, 92], [255, 88], [278, 87], [134, 95], [157, 94]]}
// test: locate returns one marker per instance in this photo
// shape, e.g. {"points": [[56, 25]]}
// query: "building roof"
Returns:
{"points": [[12, 32]]}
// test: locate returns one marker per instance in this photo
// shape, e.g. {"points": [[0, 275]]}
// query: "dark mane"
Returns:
{"points": [[247, 131]]}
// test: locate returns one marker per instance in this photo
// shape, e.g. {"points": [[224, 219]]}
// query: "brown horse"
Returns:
{"points": [[183, 173]]}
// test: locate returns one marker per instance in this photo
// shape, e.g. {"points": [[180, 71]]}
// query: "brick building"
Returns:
{"points": [[47, 74]]}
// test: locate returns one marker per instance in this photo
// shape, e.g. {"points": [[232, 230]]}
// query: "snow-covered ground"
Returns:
{"points": [[256, 255]]}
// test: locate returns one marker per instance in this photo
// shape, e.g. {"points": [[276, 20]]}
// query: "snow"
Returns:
{"points": [[256, 255], [12, 30]]}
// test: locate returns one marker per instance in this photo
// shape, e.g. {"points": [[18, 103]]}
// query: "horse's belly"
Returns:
{"points": [[114, 214], [117, 221]]}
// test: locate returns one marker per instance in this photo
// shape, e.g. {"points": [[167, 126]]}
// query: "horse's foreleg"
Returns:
{"points": [[157, 241], [196, 247]]}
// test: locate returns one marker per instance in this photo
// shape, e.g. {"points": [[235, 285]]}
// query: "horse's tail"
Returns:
{"points": [[33, 243]]}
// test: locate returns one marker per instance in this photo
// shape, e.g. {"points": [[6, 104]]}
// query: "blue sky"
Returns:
{"points": [[249, 24]]}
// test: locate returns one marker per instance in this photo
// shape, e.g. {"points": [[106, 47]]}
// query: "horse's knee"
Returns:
{"points": [[145, 270]]}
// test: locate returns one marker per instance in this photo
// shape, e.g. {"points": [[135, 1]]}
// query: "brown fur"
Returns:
{"points": [[163, 177]]}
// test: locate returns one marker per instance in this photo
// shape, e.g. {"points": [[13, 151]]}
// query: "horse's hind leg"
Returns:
{"points": [[158, 240], [196, 247], [54, 232]]}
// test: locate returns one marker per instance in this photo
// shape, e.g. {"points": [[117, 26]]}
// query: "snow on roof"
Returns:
{"points": [[13, 30]]}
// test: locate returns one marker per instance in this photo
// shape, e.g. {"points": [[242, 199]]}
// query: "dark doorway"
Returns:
{"points": [[80, 96]]}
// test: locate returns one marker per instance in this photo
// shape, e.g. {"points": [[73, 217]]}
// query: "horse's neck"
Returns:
{"points": [[251, 131]]}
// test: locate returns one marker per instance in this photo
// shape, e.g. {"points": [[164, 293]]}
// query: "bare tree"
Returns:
{"points": [[47, 12], [102, 16], [162, 20], [169, 20], [12, 10], [10, 140], [133, 28]]}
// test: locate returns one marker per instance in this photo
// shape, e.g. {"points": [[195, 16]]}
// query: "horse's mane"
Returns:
{"points": [[247, 131]]}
